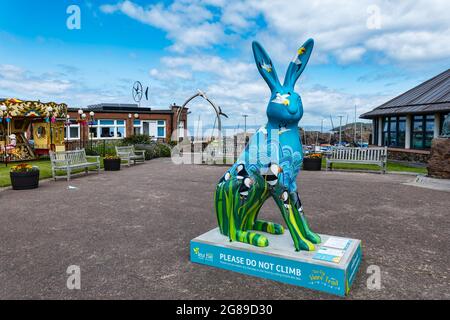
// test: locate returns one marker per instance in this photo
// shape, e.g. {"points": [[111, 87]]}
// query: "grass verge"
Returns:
{"points": [[45, 170]]}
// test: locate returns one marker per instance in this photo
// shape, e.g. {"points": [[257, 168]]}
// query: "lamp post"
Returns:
{"points": [[81, 117], [91, 122], [67, 124], [4, 114], [50, 119]]}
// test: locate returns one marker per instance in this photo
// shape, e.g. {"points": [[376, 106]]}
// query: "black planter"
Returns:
{"points": [[111, 164], [312, 164], [24, 180]]}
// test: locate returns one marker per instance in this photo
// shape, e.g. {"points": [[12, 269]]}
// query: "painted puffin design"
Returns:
{"points": [[269, 165]]}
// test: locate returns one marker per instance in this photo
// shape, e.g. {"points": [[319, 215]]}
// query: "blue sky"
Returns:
{"points": [[366, 52]]}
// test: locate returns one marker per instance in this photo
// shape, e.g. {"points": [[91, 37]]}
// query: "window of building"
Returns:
{"points": [[137, 127], [422, 131], [401, 131], [441, 122], [161, 132], [107, 129], [394, 131], [72, 131], [153, 128]]}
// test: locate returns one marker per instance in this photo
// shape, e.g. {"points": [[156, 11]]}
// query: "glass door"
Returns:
{"points": [[146, 128], [149, 128]]}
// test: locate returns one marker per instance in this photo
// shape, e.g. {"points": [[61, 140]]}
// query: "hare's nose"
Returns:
{"points": [[292, 108]]}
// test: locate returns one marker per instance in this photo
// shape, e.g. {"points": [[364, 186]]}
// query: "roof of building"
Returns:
{"points": [[124, 108], [430, 96]]}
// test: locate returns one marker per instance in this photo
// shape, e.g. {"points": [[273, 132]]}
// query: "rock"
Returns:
{"points": [[439, 162]]}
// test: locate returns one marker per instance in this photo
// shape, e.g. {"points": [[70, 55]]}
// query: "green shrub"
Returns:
{"points": [[102, 147], [92, 152], [137, 139], [164, 150], [154, 150]]}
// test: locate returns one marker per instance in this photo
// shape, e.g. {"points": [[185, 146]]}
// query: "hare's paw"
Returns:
{"points": [[252, 238], [269, 227], [310, 235], [296, 228]]}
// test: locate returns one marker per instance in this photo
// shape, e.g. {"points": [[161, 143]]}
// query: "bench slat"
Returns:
{"points": [[68, 160], [359, 155]]}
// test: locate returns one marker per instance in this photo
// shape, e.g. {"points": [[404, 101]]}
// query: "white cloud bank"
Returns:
{"points": [[402, 31]]}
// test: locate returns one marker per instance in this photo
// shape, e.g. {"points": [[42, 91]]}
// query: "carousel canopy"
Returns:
{"points": [[21, 108]]}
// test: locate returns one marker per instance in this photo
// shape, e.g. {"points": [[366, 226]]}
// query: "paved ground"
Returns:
{"points": [[129, 232]]}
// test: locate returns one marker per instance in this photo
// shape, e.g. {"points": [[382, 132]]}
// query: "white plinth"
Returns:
{"points": [[331, 267]]}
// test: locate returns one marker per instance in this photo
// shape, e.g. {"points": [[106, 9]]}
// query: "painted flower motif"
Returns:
{"points": [[266, 67], [300, 51], [282, 99]]}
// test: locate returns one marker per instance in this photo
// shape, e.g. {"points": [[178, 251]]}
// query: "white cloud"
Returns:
{"points": [[412, 45], [406, 29], [14, 79], [10, 72], [321, 102], [187, 24], [348, 55], [170, 74], [339, 27], [225, 69]]}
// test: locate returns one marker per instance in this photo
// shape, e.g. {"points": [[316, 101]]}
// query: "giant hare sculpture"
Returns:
{"points": [[269, 165]]}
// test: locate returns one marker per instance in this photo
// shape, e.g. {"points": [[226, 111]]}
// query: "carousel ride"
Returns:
{"points": [[30, 128]]}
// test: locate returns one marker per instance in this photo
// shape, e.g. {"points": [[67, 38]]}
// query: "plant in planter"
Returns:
{"points": [[111, 163], [312, 162], [24, 176]]}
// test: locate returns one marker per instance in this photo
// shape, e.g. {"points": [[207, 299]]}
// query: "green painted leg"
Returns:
{"points": [[301, 219], [252, 238], [269, 227], [300, 241], [310, 235]]}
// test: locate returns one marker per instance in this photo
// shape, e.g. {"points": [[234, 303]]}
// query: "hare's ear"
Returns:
{"points": [[265, 66], [298, 64]]}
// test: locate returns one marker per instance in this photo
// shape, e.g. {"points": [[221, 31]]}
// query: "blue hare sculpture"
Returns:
{"points": [[269, 165]]}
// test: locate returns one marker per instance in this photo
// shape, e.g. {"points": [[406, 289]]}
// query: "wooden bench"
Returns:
{"points": [[129, 154], [376, 156], [72, 160]]}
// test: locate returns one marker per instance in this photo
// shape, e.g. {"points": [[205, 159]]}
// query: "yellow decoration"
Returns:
{"points": [[25, 115]]}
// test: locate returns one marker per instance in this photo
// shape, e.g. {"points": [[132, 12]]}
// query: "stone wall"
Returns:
{"points": [[421, 156], [439, 162]]}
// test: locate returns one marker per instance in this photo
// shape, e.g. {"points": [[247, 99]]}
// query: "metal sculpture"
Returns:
{"points": [[137, 91], [269, 165], [216, 108]]}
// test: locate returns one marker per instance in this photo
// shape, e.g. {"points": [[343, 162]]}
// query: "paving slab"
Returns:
{"points": [[129, 231]]}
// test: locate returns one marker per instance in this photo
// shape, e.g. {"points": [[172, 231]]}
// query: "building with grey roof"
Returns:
{"points": [[412, 119]]}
